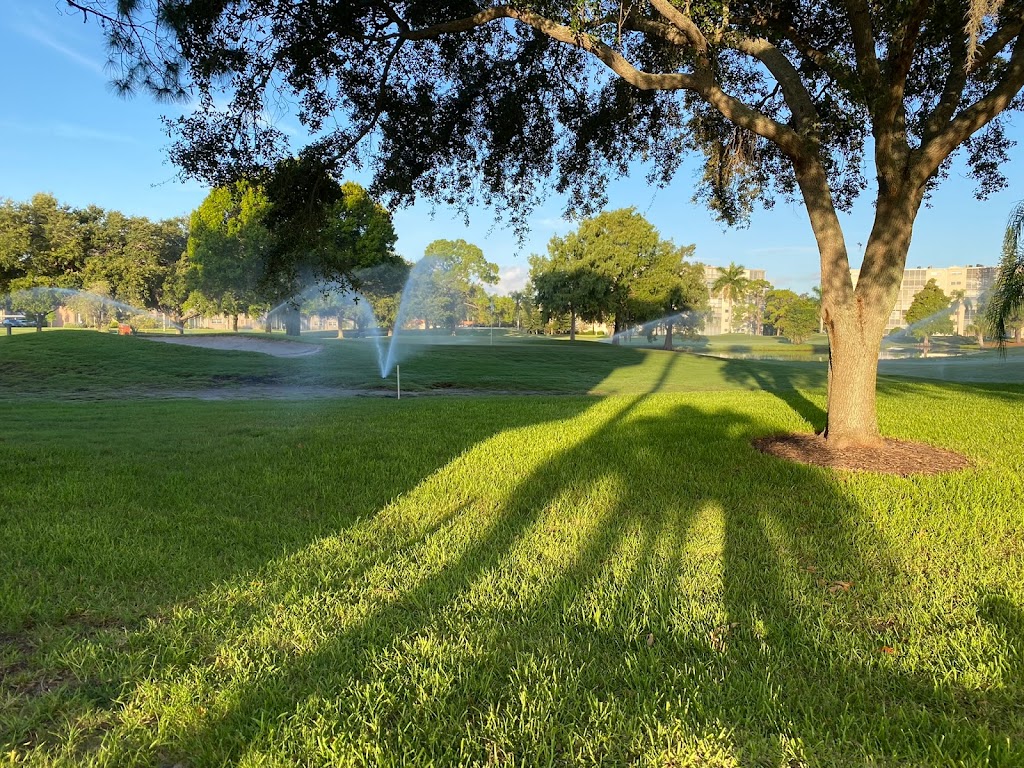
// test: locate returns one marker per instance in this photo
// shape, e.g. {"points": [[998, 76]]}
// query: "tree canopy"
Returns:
{"points": [[929, 312], [616, 265], [792, 315], [1006, 305], [466, 102], [47, 247], [446, 287]]}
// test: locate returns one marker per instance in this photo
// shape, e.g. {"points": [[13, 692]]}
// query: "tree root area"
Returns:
{"points": [[891, 457]]}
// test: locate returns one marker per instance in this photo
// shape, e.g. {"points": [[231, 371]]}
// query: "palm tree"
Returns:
{"points": [[962, 302], [816, 298], [1008, 293], [731, 282]]}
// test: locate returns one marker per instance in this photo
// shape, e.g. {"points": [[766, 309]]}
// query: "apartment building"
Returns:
{"points": [[720, 317], [974, 280]]}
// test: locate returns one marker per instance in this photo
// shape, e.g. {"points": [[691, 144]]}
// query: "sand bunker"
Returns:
{"points": [[242, 344]]}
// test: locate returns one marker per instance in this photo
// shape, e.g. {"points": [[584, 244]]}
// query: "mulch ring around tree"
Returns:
{"points": [[892, 457]]}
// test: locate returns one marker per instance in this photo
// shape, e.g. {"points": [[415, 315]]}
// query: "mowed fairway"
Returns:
{"points": [[552, 578]]}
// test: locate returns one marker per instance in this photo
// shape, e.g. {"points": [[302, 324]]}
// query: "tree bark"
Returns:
{"points": [[852, 378], [341, 333], [292, 322], [668, 336], [572, 324], [616, 330], [234, 323]]}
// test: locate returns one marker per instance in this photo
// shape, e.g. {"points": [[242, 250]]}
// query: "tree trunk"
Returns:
{"points": [[341, 333], [852, 378], [572, 324], [1016, 335], [981, 340], [616, 329], [234, 323], [668, 336], [268, 324], [292, 322]]}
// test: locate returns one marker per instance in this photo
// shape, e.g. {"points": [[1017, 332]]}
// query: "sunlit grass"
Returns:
{"points": [[509, 580]]}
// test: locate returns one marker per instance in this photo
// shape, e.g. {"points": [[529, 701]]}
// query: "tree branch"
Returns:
{"points": [[378, 108], [901, 59], [646, 81], [684, 24], [972, 119], [702, 82], [995, 43], [834, 69], [864, 42], [786, 75]]}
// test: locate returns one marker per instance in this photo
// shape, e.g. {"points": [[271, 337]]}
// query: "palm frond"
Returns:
{"points": [[1007, 299]]}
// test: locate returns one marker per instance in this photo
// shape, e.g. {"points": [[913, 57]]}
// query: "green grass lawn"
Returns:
{"points": [[556, 579]]}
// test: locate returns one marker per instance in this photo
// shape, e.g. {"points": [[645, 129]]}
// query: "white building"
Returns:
{"points": [[720, 318], [975, 281]]}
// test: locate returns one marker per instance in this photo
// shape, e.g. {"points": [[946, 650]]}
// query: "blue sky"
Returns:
{"points": [[63, 131]]}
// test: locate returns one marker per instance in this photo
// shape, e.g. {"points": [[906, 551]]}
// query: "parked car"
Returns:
{"points": [[18, 321]]}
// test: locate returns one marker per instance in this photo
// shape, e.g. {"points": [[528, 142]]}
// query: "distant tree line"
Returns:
{"points": [[616, 269], [244, 250], [300, 244]]}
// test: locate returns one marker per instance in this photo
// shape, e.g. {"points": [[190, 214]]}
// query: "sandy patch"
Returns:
{"points": [[242, 344]]}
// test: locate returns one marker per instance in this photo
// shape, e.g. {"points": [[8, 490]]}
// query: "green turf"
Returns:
{"points": [[504, 580], [104, 365]]}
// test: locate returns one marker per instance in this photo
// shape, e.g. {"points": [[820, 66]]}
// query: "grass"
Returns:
{"points": [[102, 365], [500, 580]]}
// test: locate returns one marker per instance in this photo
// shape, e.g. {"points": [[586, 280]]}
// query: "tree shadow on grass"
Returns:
{"points": [[119, 508], [787, 381], [651, 589]]}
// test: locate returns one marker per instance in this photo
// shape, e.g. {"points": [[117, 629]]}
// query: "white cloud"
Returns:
{"points": [[554, 223], [70, 131], [40, 36], [84, 133], [512, 279]]}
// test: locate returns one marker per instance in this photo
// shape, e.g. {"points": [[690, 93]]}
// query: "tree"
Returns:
{"points": [[751, 308], [816, 298], [928, 313], [444, 290], [619, 247], [782, 98], [793, 316], [672, 290], [730, 284], [567, 282], [42, 242], [251, 248], [228, 249], [133, 256], [1006, 304]]}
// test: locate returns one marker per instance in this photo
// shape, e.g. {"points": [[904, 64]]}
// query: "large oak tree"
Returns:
{"points": [[462, 100]]}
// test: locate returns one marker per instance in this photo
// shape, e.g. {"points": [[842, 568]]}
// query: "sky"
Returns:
{"points": [[64, 131]]}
